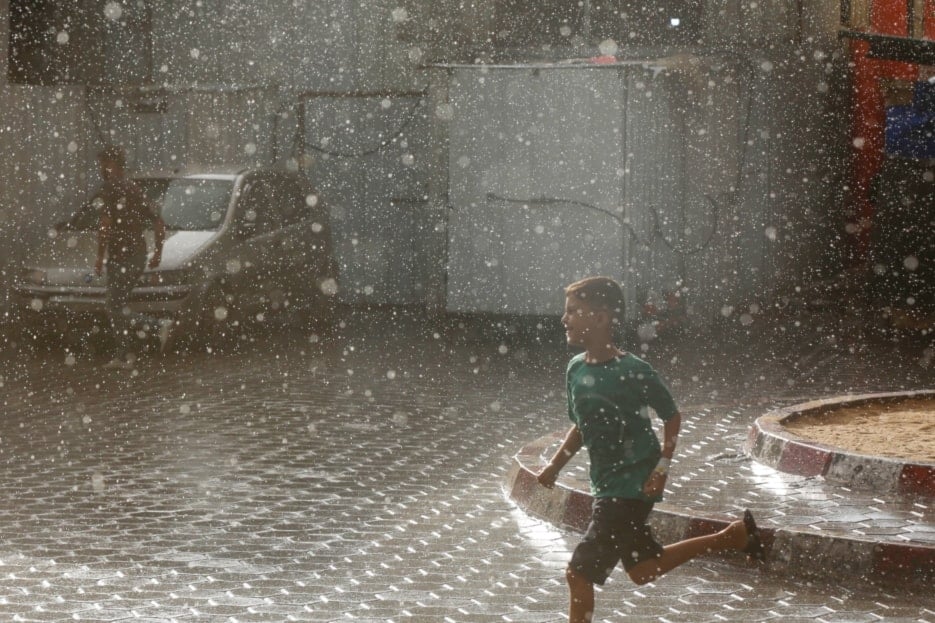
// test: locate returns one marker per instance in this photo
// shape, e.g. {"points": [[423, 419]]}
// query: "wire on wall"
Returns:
{"points": [[656, 232], [407, 121]]}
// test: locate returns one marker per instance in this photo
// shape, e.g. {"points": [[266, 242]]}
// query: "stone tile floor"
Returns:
{"points": [[356, 478]]}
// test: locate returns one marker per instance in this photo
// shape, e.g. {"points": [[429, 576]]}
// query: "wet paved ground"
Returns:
{"points": [[355, 478]]}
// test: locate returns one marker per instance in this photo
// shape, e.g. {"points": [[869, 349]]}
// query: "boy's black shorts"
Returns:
{"points": [[617, 533]]}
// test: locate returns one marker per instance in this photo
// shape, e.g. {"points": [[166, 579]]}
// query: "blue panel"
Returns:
{"points": [[910, 130]]}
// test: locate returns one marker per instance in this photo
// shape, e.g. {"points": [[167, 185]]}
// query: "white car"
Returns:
{"points": [[240, 244]]}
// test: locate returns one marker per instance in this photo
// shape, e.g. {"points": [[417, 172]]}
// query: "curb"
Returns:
{"points": [[770, 443], [791, 553]]}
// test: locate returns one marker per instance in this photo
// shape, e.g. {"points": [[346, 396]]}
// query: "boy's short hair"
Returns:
{"points": [[600, 293], [113, 153]]}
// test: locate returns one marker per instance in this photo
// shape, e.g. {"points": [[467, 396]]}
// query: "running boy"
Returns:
{"points": [[609, 391]]}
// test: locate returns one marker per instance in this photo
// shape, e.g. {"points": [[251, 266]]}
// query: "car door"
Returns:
{"points": [[258, 225], [290, 199]]}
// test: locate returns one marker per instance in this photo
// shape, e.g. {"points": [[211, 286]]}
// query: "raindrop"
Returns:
{"points": [[220, 313], [233, 266], [317, 227], [911, 262], [766, 66], [646, 332], [463, 162], [415, 55], [368, 290], [86, 420], [250, 149], [311, 200], [72, 147], [113, 10], [195, 53], [329, 287], [859, 142], [386, 103], [503, 349], [608, 47], [495, 406], [36, 304], [185, 409], [565, 31], [391, 374], [771, 233], [746, 320], [445, 112], [400, 418], [408, 159], [62, 38], [400, 14], [97, 482], [70, 359], [727, 310]]}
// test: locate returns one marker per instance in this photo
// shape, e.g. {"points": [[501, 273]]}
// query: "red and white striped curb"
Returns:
{"points": [[789, 552], [770, 443]]}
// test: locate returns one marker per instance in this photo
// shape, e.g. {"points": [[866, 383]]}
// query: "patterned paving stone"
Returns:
{"points": [[353, 479]]}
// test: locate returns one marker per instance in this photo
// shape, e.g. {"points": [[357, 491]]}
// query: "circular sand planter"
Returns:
{"points": [[781, 439]]}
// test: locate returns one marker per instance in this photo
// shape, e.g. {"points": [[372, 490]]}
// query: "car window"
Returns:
{"points": [[195, 204], [260, 211]]}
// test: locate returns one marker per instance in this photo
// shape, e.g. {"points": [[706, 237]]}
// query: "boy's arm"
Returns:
{"points": [[159, 238], [656, 482], [670, 435], [568, 449]]}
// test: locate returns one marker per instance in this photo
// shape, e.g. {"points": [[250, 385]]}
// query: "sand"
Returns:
{"points": [[904, 429]]}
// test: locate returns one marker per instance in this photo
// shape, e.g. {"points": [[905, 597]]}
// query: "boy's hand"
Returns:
{"points": [[654, 485], [547, 476]]}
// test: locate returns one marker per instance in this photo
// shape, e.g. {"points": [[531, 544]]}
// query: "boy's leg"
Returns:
{"points": [[733, 537], [581, 597], [118, 296]]}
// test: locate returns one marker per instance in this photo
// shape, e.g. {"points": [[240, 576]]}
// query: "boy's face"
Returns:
{"points": [[581, 321]]}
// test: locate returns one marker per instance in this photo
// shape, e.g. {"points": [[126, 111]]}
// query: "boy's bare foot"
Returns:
{"points": [[754, 544]]}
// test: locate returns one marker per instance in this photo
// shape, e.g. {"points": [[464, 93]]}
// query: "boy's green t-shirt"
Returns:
{"points": [[608, 403]]}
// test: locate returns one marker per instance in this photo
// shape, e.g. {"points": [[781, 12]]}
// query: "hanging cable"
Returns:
{"points": [[656, 231], [410, 117]]}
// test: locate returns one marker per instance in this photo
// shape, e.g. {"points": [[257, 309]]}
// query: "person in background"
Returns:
{"points": [[125, 214]]}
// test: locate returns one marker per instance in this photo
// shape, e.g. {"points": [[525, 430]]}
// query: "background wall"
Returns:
{"points": [[710, 168]]}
